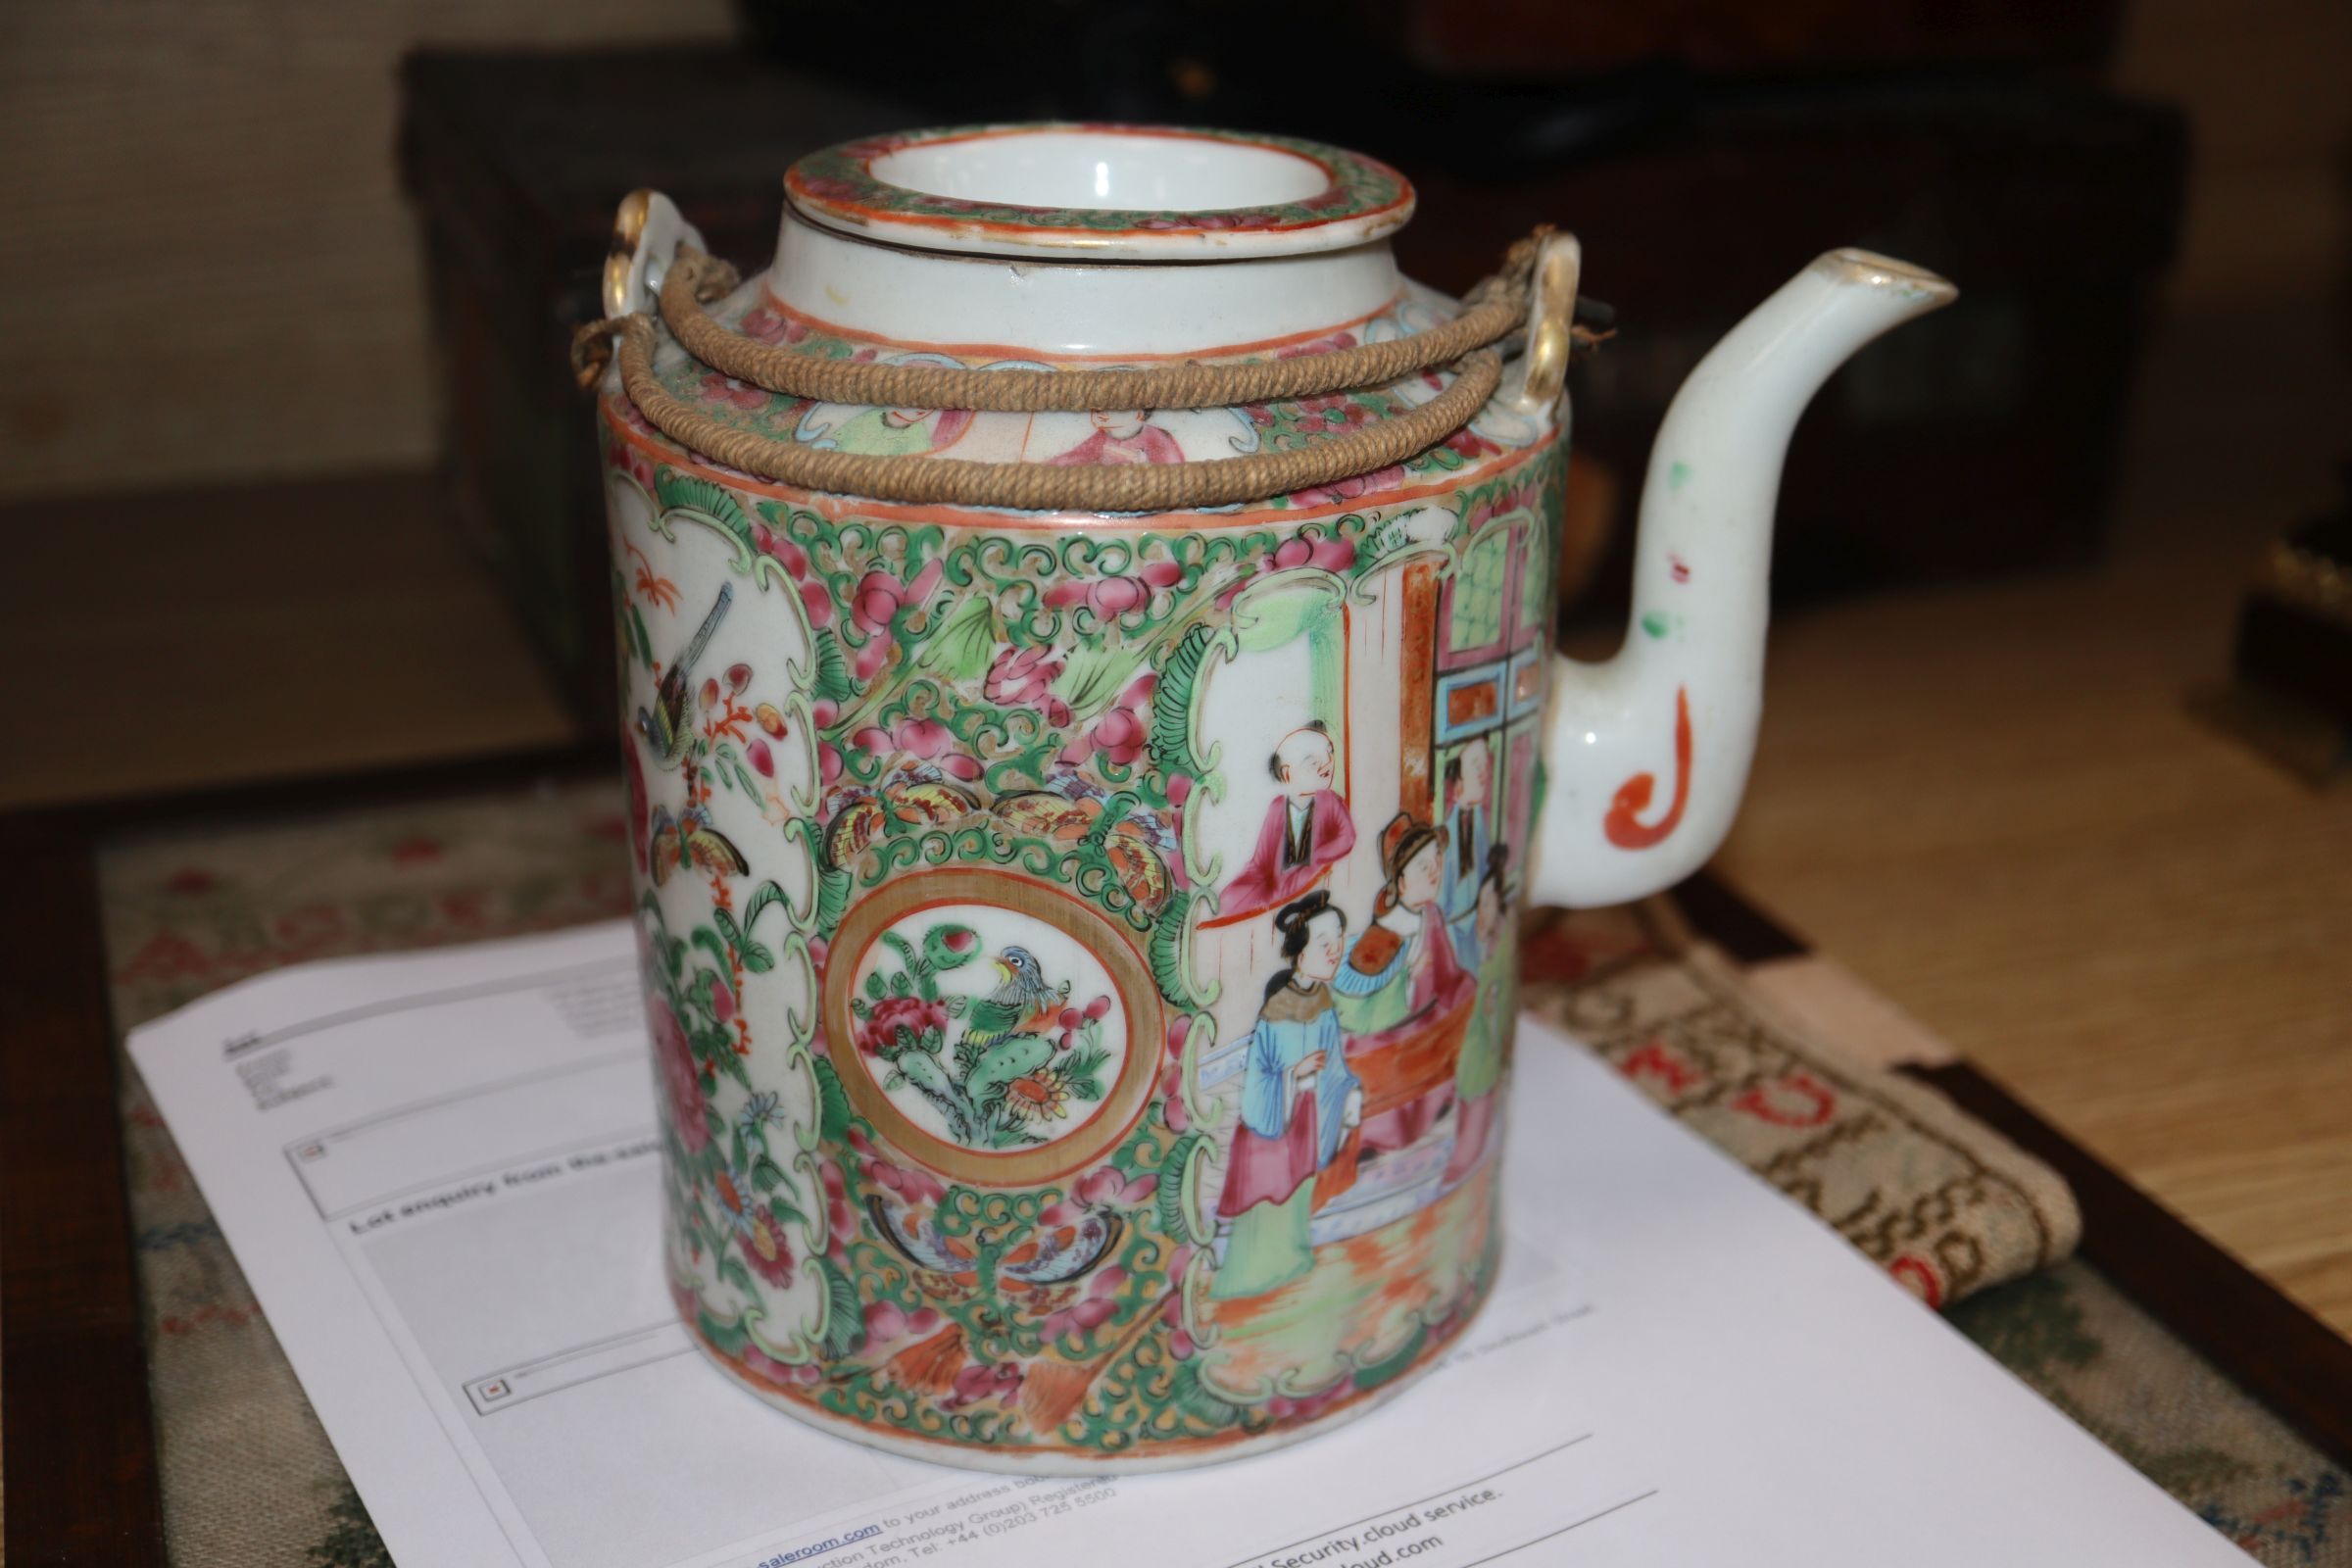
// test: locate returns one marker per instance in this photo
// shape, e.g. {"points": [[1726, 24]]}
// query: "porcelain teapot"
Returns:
{"points": [[1079, 941]]}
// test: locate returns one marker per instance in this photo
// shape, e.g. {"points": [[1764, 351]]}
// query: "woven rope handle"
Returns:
{"points": [[1493, 310]]}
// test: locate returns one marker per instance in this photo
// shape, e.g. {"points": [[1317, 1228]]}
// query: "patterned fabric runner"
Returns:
{"points": [[1948, 1206], [1942, 1203]]}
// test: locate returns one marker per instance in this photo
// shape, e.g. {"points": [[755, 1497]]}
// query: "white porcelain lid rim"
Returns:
{"points": [[1101, 192]]}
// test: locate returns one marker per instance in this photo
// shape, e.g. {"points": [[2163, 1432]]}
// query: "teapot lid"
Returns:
{"points": [[907, 265], [1100, 191]]}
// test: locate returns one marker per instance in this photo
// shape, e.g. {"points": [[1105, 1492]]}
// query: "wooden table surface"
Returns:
{"points": [[1993, 807], [1993, 803]]}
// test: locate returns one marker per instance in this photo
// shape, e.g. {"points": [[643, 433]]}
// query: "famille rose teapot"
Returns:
{"points": [[1091, 727]]}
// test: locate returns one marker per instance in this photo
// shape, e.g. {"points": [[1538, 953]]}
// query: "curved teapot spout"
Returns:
{"points": [[1649, 752]]}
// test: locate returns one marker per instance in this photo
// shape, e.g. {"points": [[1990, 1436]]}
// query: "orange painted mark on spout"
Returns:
{"points": [[1624, 824]]}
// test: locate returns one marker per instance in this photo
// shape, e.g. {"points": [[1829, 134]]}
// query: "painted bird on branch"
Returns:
{"points": [[664, 728], [1022, 1004]]}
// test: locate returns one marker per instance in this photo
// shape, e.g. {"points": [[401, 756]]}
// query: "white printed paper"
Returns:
{"points": [[440, 1174]]}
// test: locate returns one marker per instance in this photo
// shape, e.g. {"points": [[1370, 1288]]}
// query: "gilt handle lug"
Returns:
{"points": [[1543, 369], [647, 232]]}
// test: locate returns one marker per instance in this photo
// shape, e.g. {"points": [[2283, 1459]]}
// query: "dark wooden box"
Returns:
{"points": [[517, 163], [1979, 440], [1547, 39], [2294, 630]]}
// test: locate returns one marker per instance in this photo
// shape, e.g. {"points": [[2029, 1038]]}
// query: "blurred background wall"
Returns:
{"points": [[195, 183], [211, 250]]}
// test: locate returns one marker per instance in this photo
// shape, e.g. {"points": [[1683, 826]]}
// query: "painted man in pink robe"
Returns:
{"points": [[1306, 827], [1121, 435]]}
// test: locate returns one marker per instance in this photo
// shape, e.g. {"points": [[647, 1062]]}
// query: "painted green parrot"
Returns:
{"points": [[1021, 1004]]}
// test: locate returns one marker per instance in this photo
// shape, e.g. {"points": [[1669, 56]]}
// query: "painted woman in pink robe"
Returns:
{"points": [[1306, 827], [1410, 910], [1121, 435]]}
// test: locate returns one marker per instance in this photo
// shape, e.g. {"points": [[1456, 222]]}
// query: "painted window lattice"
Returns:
{"points": [[1478, 598]]}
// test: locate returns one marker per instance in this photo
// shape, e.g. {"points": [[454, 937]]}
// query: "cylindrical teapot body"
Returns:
{"points": [[1080, 952], [1080, 946]]}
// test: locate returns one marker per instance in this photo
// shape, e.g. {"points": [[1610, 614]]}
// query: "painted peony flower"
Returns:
{"points": [[1470, 444], [884, 1322], [1120, 734], [1363, 485], [1080, 1316], [1330, 344], [925, 738], [1318, 551], [898, 1022], [634, 463], [913, 1186], [793, 558], [818, 604], [1321, 550], [1092, 1310], [879, 596], [986, 1382], [718, 388], [1106, 1188], [681, 1079], [1305, 1408], [772, 328], [874, 605], [1023, 677], [766, 1248]]}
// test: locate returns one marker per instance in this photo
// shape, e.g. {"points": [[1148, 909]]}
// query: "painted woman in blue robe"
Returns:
{"points": [[1298, 1100]]}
